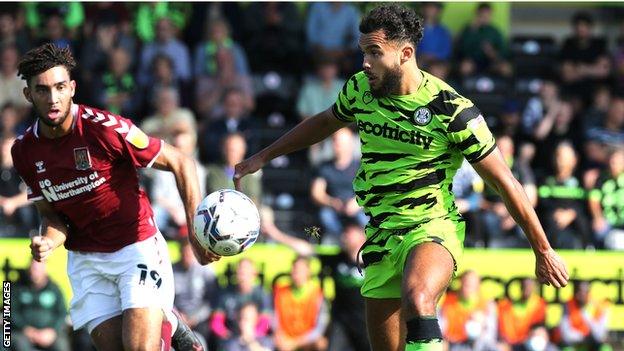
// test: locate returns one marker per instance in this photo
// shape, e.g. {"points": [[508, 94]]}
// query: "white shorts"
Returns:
{"points": [[105, 284]]}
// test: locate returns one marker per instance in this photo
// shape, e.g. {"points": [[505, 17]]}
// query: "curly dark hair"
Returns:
{"points": [[398, 23], [44, 57]]}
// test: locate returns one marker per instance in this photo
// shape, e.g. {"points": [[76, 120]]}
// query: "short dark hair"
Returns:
{"points": [[44, 57], [398, 23], [484, 6], [582, 17]]}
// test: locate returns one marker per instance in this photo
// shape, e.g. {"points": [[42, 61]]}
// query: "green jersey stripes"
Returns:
{"points": [[412, 146]]}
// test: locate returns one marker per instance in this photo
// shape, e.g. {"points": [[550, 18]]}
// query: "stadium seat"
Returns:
{"points": [[533, 55]]}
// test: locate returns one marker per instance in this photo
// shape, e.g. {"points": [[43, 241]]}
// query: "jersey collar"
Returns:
{"points": [[74, 112]]}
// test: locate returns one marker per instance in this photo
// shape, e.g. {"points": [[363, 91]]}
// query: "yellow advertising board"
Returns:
{"points": [[501, 271]]}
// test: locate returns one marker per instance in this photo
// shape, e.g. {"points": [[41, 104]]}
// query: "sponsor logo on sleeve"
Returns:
{"points": [[137, 138], [478, 127]]}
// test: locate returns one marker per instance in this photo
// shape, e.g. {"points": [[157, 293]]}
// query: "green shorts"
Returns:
{"points": [[386, 250]]}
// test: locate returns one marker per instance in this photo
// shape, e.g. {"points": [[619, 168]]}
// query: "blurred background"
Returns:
{"points": [[220, 81]]}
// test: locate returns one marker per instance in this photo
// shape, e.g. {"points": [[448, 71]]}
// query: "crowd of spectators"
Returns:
{"points": [[183, 73], [221, 80], [241, 314]]}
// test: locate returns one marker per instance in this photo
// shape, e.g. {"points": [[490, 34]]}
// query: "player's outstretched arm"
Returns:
{"points": [[550, 268], [308, 132], [52, 233], [185, 172]]}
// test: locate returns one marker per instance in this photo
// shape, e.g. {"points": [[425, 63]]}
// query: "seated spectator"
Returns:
{"points": [[245, 338], [437, 41], [538, 107], [71, 15], [11, 86], [115, 88], [108, 39], [509, 121], [554, 128], [606, 204], [223, 323], [234, 119], [332, 32], [168, 114], [482, 47], [597, 112], [165, 44], [562, 203], [584, 321], [217, 38], [584, 58], [12, 32], [149, 13], [38, 313], [220, 64], [219, 175], [348, 320], [11, 122], [55, 32], [169, 212], [467, 319], [468, 191], [17, 215], [300, 311], [500, 228], [618, 59], [195, 290], [518, 319], [164, 77], [609, 134], [332, 190], [317, 94]]}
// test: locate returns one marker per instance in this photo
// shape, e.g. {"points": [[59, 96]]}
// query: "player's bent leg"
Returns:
{"points": [[141, 329], [428, 271], [107, 335], [386, 328]]}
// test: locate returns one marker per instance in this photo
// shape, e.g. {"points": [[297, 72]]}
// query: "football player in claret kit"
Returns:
{"points": [[80, 165], [415, 131]]}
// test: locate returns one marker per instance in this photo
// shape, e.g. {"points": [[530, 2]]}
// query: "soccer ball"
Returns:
{"points": [[226, 222]]}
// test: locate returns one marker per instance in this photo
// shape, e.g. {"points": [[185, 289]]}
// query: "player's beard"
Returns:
{"points": [[390, 83], [59, 121]]}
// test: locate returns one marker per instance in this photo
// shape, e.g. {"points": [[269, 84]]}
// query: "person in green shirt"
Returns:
{"points": [[562, 202], [482, 47], [415, 131], [606, 202], [39, 313]]}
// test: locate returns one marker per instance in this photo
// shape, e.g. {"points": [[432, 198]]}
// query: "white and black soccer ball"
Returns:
{"points": [[226, 222]]}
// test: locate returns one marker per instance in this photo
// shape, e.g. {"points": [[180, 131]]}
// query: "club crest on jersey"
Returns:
{"points": [[422, 116], [40, 166], [82, 158], [367, 98]]}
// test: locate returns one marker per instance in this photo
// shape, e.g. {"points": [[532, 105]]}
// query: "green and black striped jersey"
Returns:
{"points": [[412, 146]]}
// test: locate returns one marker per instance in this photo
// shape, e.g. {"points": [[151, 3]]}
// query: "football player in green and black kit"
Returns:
{"points": [[414, 130]]}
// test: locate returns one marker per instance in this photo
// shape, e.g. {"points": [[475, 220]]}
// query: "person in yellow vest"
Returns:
{"points": [[516, 319], [584, 321], [468, 320], [300, 311]]}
